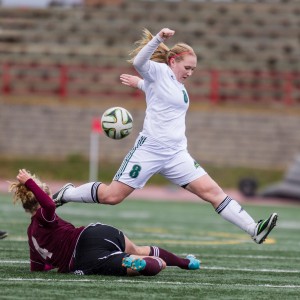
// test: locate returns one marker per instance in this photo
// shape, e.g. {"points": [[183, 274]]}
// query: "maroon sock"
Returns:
{"points": [[170, 258], [152, 268]]}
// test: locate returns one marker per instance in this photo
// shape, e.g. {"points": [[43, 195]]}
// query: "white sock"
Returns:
{"points": [[86, 193], [231, 211]]}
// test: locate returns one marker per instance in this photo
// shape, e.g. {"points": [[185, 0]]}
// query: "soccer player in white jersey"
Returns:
{"points": [[161, 147]]}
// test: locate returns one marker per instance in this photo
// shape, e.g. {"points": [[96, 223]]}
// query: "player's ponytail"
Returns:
{"points": [[162, 54]]}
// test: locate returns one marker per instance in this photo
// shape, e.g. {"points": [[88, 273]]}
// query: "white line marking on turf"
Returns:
{"points": [[290, 286], [252, 256], [14, 261], [251, 270]]}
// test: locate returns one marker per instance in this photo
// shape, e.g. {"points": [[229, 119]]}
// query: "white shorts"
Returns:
{"points": [[148, 157]]}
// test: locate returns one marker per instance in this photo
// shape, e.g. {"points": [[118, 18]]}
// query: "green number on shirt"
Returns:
{"points": [[135, 171], [185, 97]]}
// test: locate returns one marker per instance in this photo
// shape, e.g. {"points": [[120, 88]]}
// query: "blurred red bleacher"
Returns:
{"points": [[214, 86]]}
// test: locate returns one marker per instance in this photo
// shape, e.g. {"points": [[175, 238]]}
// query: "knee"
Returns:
{"points": [[153, 266], [110, 200], [214, 194], [164, 264], [216, 197], [215, 191], [113, 194]]}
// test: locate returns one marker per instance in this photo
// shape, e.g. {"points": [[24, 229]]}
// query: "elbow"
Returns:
{"points": [[138, 63], [135, 63]]}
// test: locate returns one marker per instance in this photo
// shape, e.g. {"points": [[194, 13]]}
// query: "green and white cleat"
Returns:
{"points": [[263, 228]]}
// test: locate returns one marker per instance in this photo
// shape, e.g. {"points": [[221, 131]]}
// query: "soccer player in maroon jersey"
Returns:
{"points": [[95, 249]]}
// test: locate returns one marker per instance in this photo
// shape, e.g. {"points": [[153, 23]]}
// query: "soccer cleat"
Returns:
{"points": [[194, 262], [136, 264], [263, 228], [58, 196], [3, 234]]}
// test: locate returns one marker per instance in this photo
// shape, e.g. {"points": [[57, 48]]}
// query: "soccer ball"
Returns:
{"points": [[116, 122]]}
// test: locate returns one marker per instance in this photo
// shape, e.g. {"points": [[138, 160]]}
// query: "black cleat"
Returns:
{"points": [[58, 196], [264, 227], [3, 234]]}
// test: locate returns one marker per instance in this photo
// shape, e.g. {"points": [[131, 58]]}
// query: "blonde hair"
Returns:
{"points": [[23, 195], [162, 54]]}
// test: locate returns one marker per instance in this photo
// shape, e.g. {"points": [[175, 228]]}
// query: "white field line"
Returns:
{"points": [[251, 270], [263, 257], [126, 281]]}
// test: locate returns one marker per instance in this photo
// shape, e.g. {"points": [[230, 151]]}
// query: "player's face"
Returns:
{"points": [[184, 69]]}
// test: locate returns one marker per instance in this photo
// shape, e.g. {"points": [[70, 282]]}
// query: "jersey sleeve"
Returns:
{"points": [[36, 266], [40, 267], [142, 63], [47, 204], [141, 85]]}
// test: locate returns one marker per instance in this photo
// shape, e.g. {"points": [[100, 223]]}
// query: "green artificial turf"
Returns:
{"points": [[233, 266]]}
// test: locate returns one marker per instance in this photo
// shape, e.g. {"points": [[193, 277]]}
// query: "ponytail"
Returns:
{"points": [[162, 54]]}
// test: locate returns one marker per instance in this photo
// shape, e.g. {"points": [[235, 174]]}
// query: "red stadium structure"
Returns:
{"points": [[215, 86]]}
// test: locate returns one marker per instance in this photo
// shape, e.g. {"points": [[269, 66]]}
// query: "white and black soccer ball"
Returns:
{"points": [[116, 122]]}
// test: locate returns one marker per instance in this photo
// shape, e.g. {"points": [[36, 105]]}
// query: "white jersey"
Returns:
{"points": [[166, 98]]}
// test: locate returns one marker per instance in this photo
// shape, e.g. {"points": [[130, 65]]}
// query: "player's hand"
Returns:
{"points": [[166, 33], [130, 80], [23, 176]]}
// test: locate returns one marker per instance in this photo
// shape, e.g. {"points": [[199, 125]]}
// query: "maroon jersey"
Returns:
{"points": [[52, 240]]}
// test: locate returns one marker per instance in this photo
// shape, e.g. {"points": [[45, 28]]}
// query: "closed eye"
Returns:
{"points": [[190, 68]]}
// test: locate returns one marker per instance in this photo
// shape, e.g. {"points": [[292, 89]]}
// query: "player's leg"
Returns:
{"points": [[101, 250], [132, 248], [93, 192], [113, 193], [207, 189], [183, 170], [138, 260], [136, 169], [188, 263], [143, 265]]}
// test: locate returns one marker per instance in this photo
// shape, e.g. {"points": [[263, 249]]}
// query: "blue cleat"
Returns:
{"points": [[136, 264], [194, 262]]}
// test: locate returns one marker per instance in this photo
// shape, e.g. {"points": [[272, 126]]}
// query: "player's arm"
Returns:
{"points": [[44, 200], [132, 81], [36, 266], [141, 61]]}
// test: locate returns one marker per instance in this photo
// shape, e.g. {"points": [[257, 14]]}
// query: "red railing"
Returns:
{"points": [[205, 85]]}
